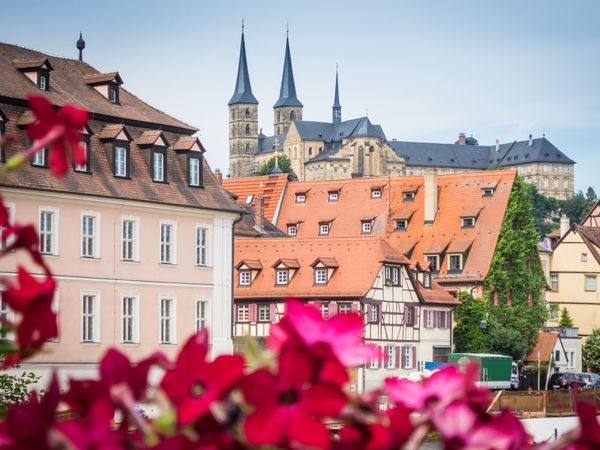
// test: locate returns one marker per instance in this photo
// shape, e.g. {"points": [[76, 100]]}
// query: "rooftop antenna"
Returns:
{"points": [[242, 25], [287, 29], [80, 46]]}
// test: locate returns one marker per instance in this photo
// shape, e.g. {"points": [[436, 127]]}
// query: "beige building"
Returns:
{"points": [[343, 149]]}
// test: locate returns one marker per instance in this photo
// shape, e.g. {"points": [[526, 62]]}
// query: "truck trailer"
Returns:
{"points": [[495, 371]]}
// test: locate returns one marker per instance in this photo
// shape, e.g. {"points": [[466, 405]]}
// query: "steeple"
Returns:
{"points": [[337, 107], [243, 90], [287, 92], [80, 46]]}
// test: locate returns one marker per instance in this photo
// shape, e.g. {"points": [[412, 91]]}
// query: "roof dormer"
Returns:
{"points": [[116, 141], [247, 271], [323, 270], [285, 269], [155, 146], [189, 151], [37, 70], [107, 84]]}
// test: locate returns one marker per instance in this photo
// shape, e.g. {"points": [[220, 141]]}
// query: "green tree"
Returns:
{"points": [[15, 389], [576, 207], [591, 196], [284, 164], [591, 352], [543, 209], [468, 335], [565, 319], [506, 341]]}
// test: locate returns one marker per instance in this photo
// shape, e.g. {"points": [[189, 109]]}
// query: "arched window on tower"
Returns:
{"points": [[247, 130], [247, 113], [248, 150], [278, 115], [292, 115], [232, 114]]}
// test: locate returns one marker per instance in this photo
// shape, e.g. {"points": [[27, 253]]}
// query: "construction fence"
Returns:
{"points": [[561, 402]]}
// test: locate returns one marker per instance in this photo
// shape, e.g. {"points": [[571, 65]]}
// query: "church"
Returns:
{"points": [[343, 149]]}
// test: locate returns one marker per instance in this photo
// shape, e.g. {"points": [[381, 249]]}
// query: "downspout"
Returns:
{"points": [[233, 272]]}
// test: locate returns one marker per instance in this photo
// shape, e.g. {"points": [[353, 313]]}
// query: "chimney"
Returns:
{"points": [[497, 145], [565, 224], [219, 176], [431, 196], [259, 213], [530, 140], [462, 138]]}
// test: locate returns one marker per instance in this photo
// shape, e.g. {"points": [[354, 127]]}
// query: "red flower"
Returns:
{"points": [[33, 300], [26, 426], [341, 334], [61, 129], [194, 384], [287, 408], [24, 237]]}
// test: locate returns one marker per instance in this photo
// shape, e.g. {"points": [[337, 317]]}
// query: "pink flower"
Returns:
{"points": [[341, 335], [589, 432], [194, 384], [61, 129]]}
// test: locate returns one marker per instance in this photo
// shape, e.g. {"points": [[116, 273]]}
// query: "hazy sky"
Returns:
{"points": [[424, 70]]}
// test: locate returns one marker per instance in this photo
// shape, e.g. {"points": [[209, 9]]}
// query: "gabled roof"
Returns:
{"points": [[591, 238], [437, 294], [287, 91], [243, 91], [102, 78], [32, 63], [112, 131], [185, 143], [253, 264], [149, 137], [267, 143], [544, 345], [271, 187]]}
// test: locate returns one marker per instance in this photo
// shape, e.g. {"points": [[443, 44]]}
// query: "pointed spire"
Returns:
{"points": [[287, 92], [80, 46], [337, 107], [243, 90]]}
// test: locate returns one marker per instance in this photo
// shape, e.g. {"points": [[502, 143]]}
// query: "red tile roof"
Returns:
{"points": [[544, 345], [437, 295], [271, 187]]}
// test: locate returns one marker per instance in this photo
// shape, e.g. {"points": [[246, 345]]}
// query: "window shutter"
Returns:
{"points": [[384, 359], [379, 357], [354, 307], [252, 312], [403, 365], [235, 313], [379, 312], [530, 299], [397, 351], [273, 312], [438, 319], [417, 313], [332, 309], [495, 297], [414, 356], [449, 315]]}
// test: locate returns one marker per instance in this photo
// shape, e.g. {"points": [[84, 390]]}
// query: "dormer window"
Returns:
{"points": [[320, 276], [427, 280], [366, 226], [247, 272], [468, 222], [392, 276], [245, 277], [401, 225], [408, 197], [43, 82], [121, 158], [376, 192], [292, 229], [85, 145], [324, 228], [113, 94], [455, 262], [194, 171], [107, 84], [37, 70], [334, 196], [323, 270], [285, 269], [39, 158], [158, 165], [282, 276], [301, 197], [116, 140], [487, 192], [434, 262]]}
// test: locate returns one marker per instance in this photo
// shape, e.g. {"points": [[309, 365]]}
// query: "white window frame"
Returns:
{"points": [[201, 313], [172, 318], [374, 313], [320, 275], [591, 284], [120, 164], [43, 82], [407, 357], [135, 241], [460, 261], [39, 158], [54, 232], [112, 94], [158, 166], [12, 209], [134, 317], [334, 196], [390, 357], [194, 167], [6, 314], [427, 280], [367, 227], [282, 276], [205, 247], [401, 221], [430, 318], [171, 244], [86, 148], [243, 313], [408, 196], [374, 363], [300, 198], [323, 229], [468, 222], [325, 310], [95, 317], [554, 281], [443, 320], [263, 312], [245, 277], [292, 230], [376, 193], [344, 308], [487, 192], [437, 262], [584, 257], [95, 236]]}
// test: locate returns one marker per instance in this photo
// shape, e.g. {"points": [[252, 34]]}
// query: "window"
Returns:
{"points": [[85, 145], [201, 246], [121, 169], [158, 166], [408, 197], [194, 175], [443, 319], [167, 240], [407, 355], [427, 280], [11, 219], [264, 313], [433, 261], [129, 332], [292, 230], [344, 308], [455, 263], [89, 235], [167, 320], [557, 356], [376, 193], [325, 310], [468, 222], [129, 238], [440, 354], [247, 113], [392, 276], [292, 115], [554, 311], [367, 226], [243, 313], [324, 229], [390, 357], [373, 313], [43, 82], [334, 196], [554, 282], [584, 257], [39, 158], [410, 316], [5, 316], [300, 198], [282, 276], [201, 314], [429, 318], [245, 277], [590, 283], [320, 276], [113, 94], [48, 232], [401, 224], [247, 130], [89, 318]]}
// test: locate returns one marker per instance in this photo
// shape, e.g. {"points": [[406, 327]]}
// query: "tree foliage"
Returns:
{"points": [[468, 336], [15, 388], [284, 164], [591, 352], [565, 319]]}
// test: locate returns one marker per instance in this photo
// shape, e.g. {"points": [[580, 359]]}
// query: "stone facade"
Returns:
{"points": [[243, 138]]}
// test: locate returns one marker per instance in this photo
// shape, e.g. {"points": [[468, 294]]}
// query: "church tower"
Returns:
{"points": [[287, 108], [243, 121], [336, 110]]}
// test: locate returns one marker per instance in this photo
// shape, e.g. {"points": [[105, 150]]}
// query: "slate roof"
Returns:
{"points": [[266, 144], [287, 91], [243, 89], [246, 227], [68, 85]]}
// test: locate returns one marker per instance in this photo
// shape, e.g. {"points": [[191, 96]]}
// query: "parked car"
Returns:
{"points": [[566, 380], [591, 380]]}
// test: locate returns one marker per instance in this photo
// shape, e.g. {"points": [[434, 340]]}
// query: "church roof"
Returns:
{"points": [[267, 143], [287, 92], [243, 90]]}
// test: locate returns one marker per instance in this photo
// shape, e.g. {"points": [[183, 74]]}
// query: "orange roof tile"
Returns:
{"points": [[437, 294], [544, 345], [271, 187], [459, 245], [359, 261]]}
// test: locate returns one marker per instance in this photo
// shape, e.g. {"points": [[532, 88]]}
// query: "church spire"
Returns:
{"points": [[287, 92], [337, 107], [243, 90]]}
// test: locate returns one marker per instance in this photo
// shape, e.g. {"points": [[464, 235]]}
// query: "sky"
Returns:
{"points": [[424, 70]]}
